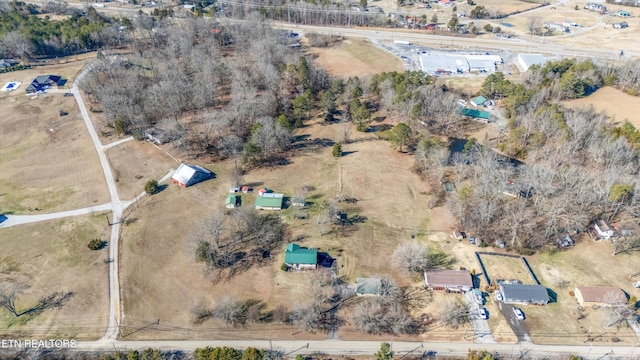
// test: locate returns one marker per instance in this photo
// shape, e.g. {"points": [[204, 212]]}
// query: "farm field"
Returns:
{"points": [[355, 57], [158, 259], [618, 105], [50, 257], [47, 161]]}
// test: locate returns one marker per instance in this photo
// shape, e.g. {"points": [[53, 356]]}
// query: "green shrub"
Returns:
{"points": [[151, 187], [95, 244], [336, 151], [284, 267]]}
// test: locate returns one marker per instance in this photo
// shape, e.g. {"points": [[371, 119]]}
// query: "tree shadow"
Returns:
{"points": [[161, 187], [52, 301], [440, 260], [345, 153]]}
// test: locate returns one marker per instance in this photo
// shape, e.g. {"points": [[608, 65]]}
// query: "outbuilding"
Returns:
{"points": [[232, 201], [188, 175], [269, 201], [525, 61], [368, 286]]}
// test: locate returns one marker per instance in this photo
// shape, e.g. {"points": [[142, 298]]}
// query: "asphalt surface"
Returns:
{"points": [[519, 327], [481, 330]]}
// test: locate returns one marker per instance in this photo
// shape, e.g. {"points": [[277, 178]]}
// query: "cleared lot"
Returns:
{"points": [[52, 257], [47, 161]]}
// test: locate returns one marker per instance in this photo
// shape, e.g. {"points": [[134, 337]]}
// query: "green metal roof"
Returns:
{"points": [[231, 199], [299, 255], [476, 113], [272, 202], [479, 100]]}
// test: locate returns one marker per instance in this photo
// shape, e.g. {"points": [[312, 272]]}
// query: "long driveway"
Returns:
{"points": [[117, 208]]}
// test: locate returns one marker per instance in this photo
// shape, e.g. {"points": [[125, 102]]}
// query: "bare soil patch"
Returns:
{"points": [[53, 257], [47, 161], [617, 104], [355, 57]]}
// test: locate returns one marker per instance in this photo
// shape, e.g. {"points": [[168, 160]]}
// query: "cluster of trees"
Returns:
{"points": [[236, 312], [229, 244], [24, 35], [227, 353], [313, 12], [242, 86]]}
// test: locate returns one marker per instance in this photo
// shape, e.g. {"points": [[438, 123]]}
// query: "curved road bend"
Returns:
{"points": [[117, 208]]}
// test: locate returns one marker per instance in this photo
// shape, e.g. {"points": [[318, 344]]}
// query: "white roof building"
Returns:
{"points": [[525, 61], [188, 175]]}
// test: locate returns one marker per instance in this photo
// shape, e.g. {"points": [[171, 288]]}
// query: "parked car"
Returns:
{"points": [[498, 296], [518, 313], [482, 312]]}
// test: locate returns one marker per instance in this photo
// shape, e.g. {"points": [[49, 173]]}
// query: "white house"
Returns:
{"points": [[604, 230], [188, 175]]}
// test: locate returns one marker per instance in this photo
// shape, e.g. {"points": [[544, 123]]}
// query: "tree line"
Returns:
{"points": [[25, 35]]}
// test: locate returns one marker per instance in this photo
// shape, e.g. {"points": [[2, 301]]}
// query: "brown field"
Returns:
{"points": [[52, 257], [134, 163], [355, 57], [618, 105], [505, 268], [158, 261], [47, 162], [589, 264]]}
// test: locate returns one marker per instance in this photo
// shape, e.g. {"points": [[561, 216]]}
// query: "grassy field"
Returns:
{"points": [[618, 105], [158, 260], [588, 264], [47, 162], [134, 163], [505, 268], [50, 257], [355, 57]]}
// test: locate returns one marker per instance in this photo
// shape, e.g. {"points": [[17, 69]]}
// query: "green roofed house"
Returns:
{"points": [[300, 258], [478, 101], [479, 114], [232, 201], [269, 201]]}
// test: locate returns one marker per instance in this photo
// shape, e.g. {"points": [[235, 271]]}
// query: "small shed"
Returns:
{"points": [[234, 189], [298, 201], [600, 295], [458, 235], [300, 258], [246, 189], [263, 191], [158, 136], [232, 201], [478, 101], [603, 230]]}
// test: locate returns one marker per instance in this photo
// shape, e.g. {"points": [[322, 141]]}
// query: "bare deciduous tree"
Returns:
{"points": [[454, 314]]}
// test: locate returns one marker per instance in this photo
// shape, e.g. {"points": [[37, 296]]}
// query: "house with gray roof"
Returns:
{"points": [[524, 294]]}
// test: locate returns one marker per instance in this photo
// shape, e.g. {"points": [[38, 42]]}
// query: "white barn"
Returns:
{"points": [[188, 175], [525, 61]]}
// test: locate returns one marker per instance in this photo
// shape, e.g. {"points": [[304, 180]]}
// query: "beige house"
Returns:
{"points": [[600, 295]]}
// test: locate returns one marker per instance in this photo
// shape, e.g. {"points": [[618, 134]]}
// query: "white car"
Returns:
{"points": [[482, 312], [498, 296], [518, 313]]}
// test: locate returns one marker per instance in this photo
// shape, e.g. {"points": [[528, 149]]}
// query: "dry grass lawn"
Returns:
{"points": [[505, 268], [52, 257], [134, 163], [47, 162], [158, 260], [618, 105], [355, 57]]}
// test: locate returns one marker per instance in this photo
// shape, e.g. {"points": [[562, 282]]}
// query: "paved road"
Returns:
{"points": [[481, 330], [352, 348], [515, 45]]}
